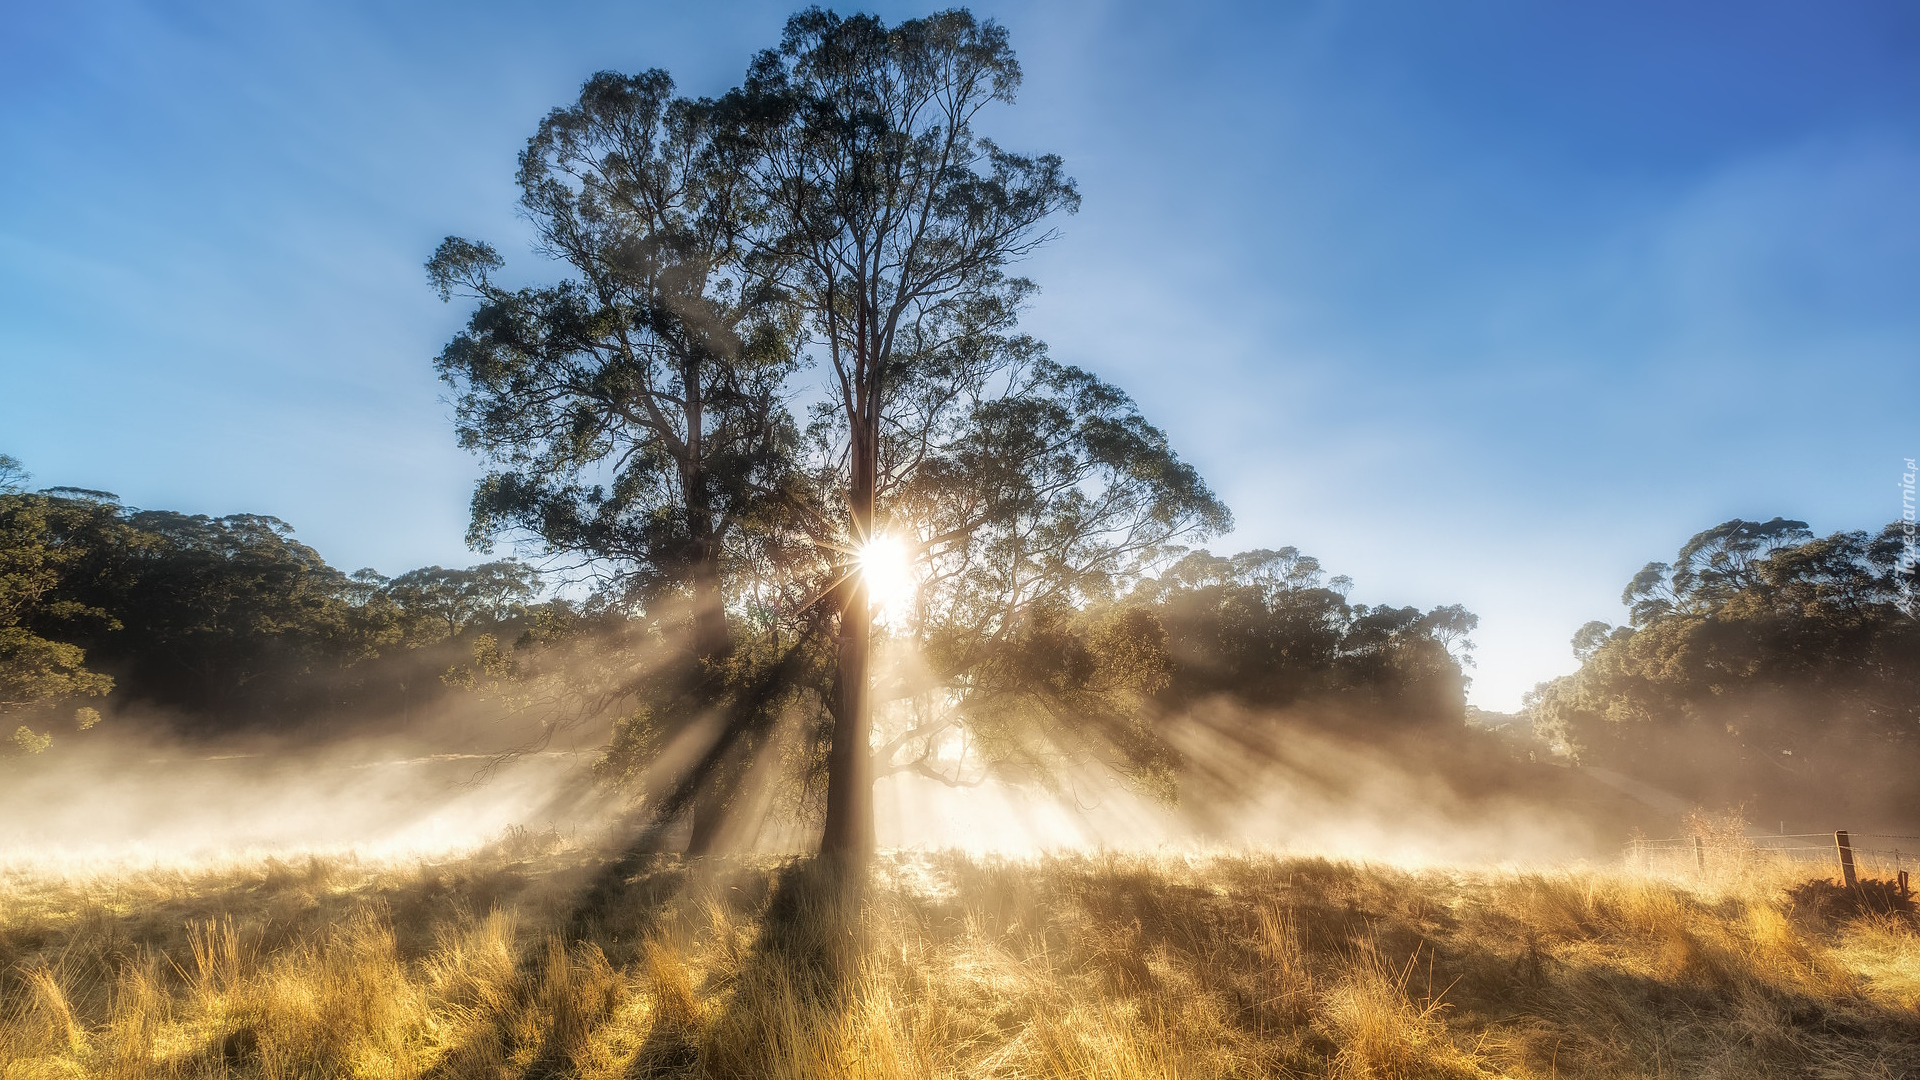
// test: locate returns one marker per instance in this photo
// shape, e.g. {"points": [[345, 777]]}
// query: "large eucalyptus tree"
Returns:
{"points": [[839, 203], [889, 223]]}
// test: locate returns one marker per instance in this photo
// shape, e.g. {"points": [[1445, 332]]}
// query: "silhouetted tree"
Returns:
{"points": [[889, 221], [633, 412]]}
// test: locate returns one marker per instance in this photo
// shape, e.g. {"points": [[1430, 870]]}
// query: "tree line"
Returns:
{"points": [[214, 624], [1763, 665]]}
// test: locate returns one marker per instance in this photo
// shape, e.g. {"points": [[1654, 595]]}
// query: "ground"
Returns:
{"points": [[534, 957]]}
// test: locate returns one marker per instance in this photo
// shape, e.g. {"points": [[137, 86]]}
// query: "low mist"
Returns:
{"points": [[1275, 780], [1286, 781], [136, 799]]}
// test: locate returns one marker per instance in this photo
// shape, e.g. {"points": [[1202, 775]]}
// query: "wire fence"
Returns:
{"points": [[1840, 854]]}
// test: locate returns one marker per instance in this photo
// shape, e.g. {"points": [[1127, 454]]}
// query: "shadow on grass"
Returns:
{"points": [[767, 1010], [793, 1005], [784, 1000], [566, 985]]}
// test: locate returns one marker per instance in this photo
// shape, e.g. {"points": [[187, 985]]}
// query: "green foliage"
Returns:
{"points": [[40, 663], [438, 603], [631, 411], [1268, 628], [1064, 688], [25, 741], [35, 671], [1762, 659], [635, 743], [1063, 680], [222, 621]]}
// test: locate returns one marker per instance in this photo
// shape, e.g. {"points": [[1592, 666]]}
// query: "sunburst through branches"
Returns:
{"points": [[886, 565]]}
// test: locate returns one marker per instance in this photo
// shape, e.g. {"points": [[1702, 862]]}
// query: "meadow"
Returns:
{"points": [[539, 957]]}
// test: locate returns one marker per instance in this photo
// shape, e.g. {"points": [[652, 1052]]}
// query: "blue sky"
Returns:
{"points": [[1483, 302]]}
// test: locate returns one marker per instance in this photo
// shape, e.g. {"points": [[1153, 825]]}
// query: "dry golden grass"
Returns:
{"points": [[941, 965]]}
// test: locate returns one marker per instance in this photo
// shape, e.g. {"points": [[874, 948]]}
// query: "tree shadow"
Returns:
{"points": [[642, 835], [805, 949], [618, 909], [616, 915], [794, 992], [813, 925]]}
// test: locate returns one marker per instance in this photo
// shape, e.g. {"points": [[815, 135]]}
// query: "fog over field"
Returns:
{"points": [[1253, 783]]}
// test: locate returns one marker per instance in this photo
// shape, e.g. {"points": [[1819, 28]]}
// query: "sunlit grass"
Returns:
{"points": [[946, 965]]}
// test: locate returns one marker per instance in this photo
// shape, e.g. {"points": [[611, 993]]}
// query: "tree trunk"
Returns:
{"points": [[710, 811], [849, 827], [713, 643], [712, 639]]}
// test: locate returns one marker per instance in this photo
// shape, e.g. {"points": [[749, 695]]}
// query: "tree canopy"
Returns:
{"points": [[1762, 662], [630, 411], [1269, 628], [215, 624], [39, 667]]}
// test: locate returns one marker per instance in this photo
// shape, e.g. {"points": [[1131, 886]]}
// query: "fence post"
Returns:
{"points": [[1699, 855], [1845, 848]]}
